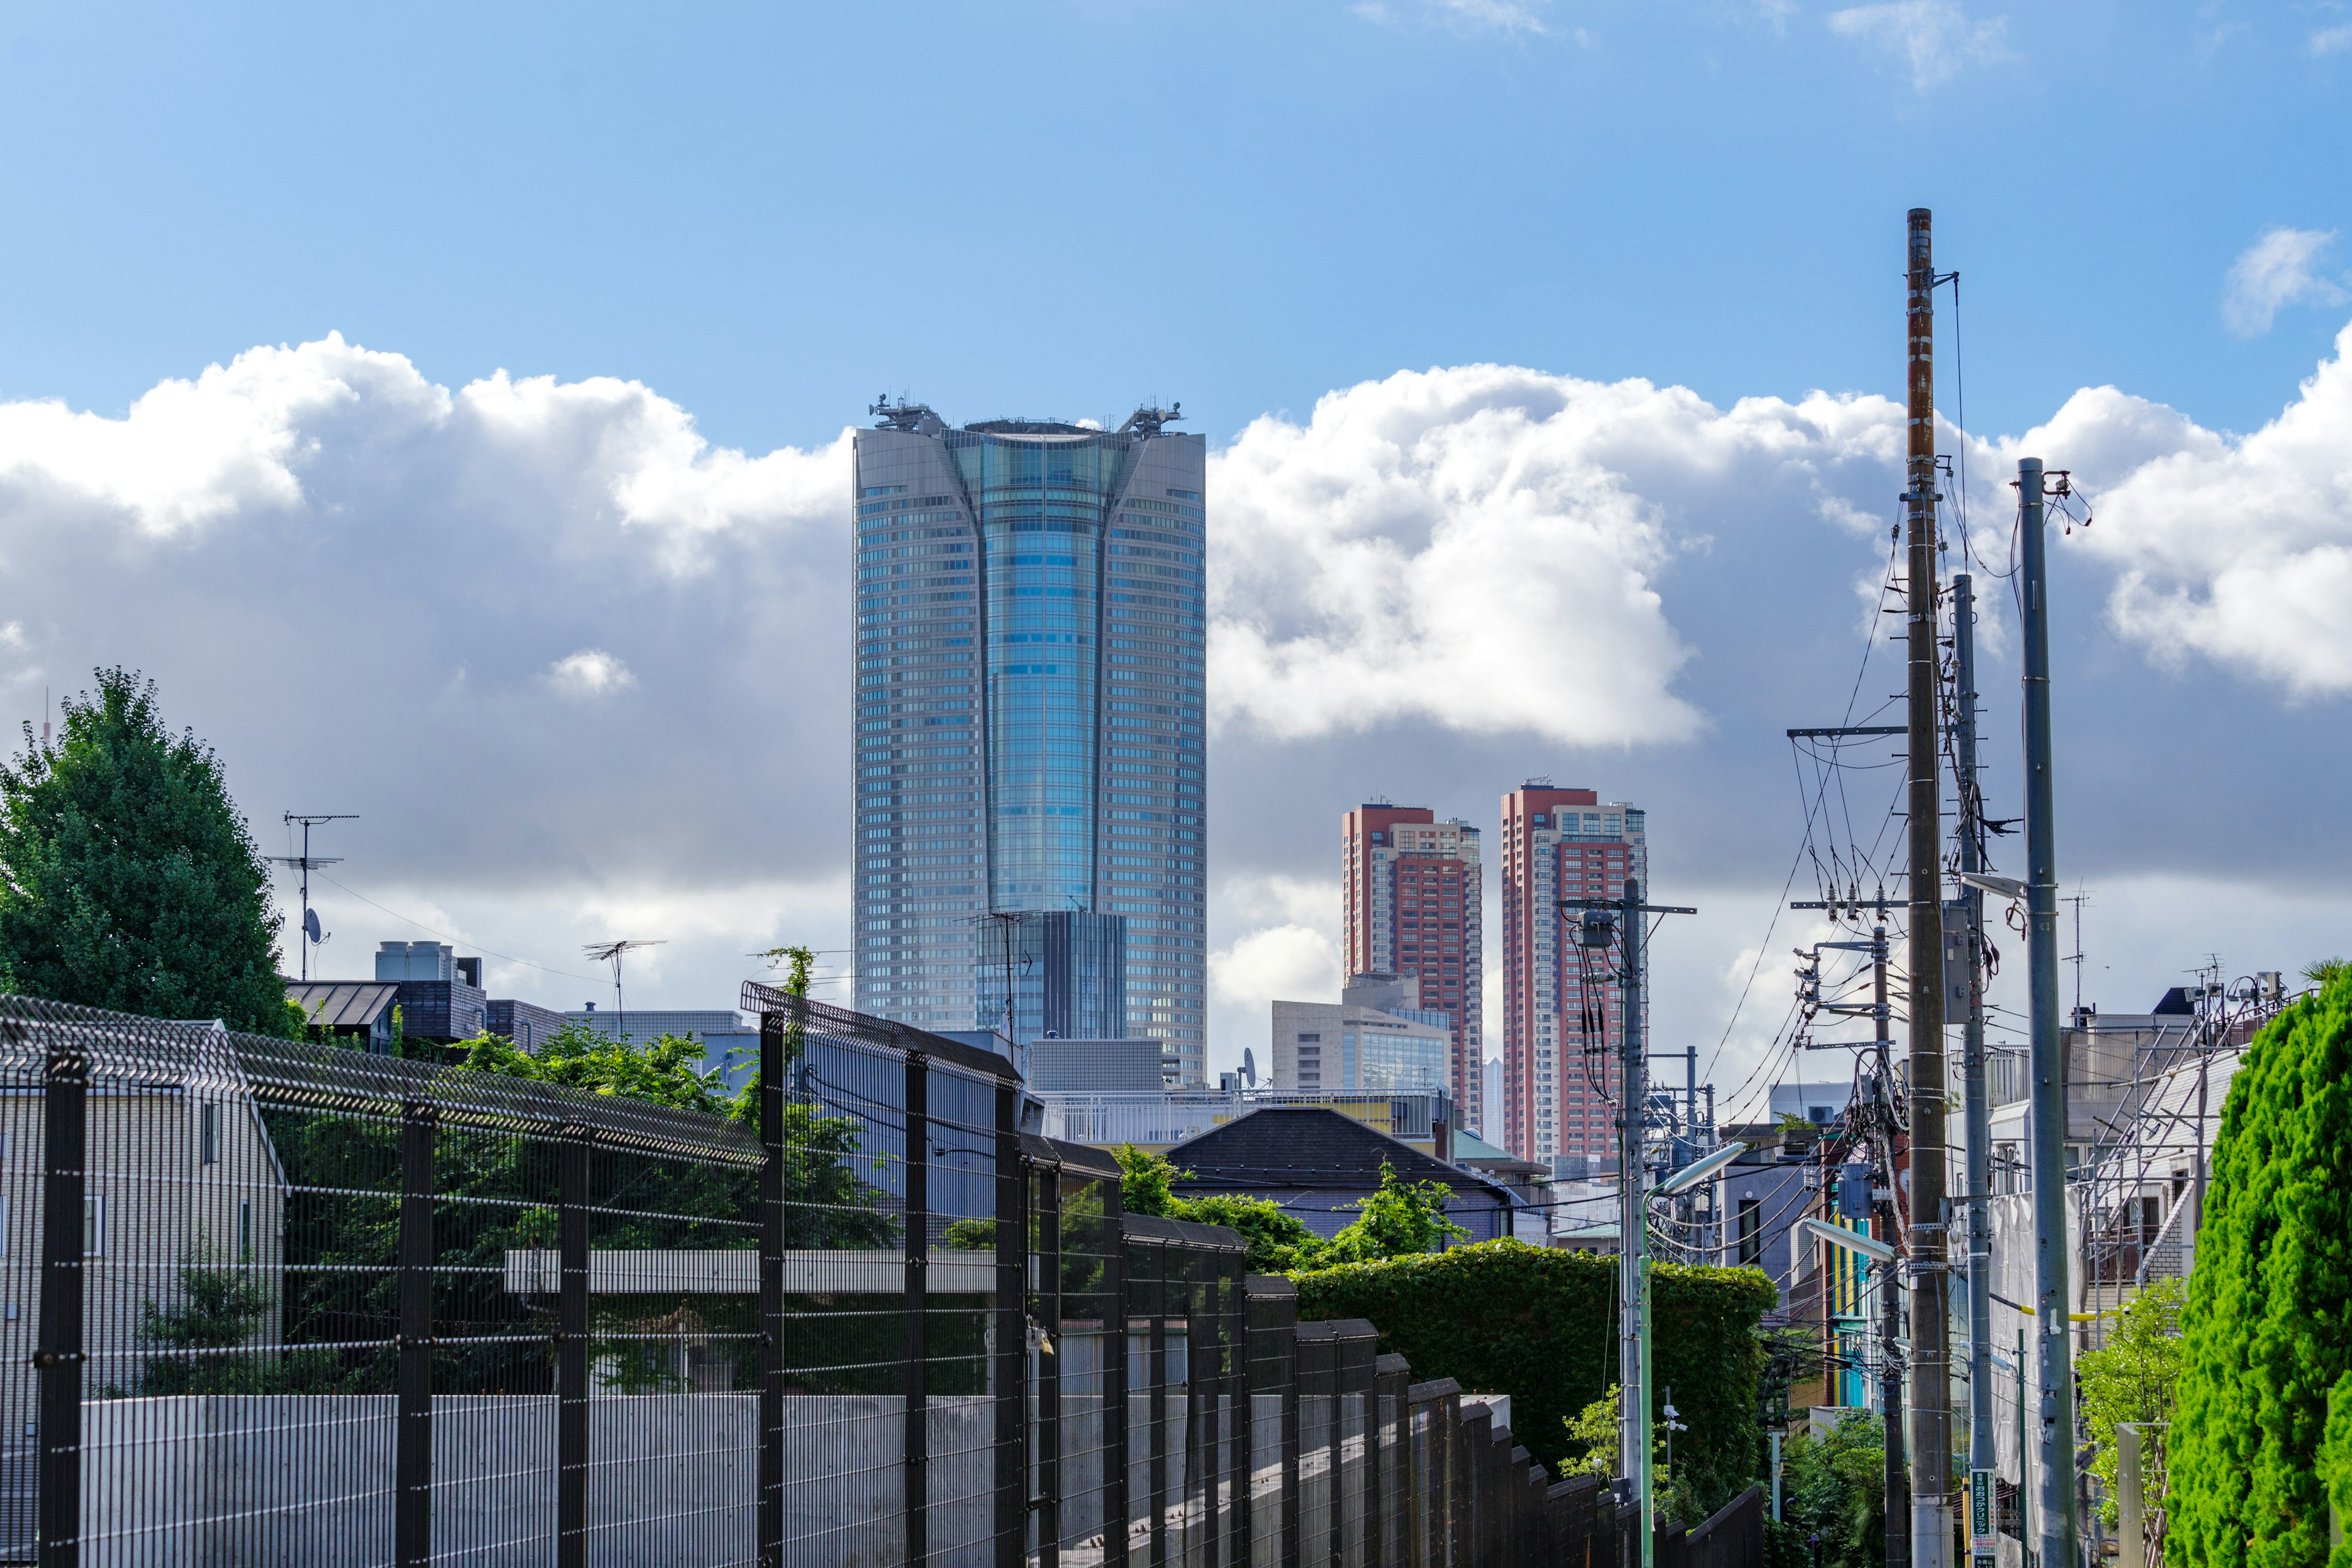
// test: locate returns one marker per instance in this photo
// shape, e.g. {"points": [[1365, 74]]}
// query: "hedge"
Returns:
{"points": [[1540, 1325], [2268, 1323]]}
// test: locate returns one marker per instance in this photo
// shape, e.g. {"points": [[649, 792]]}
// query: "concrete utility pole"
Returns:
{"points": [[1931, 1415], [1634, 1236], [2053, 1356], [1969, 954], [1890, 1273]]}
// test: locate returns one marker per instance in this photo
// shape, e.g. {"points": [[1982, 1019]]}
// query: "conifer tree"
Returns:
{"points": [[127, 878], [2267, 1328]]}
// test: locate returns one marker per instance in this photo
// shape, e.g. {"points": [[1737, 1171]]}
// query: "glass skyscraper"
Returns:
{"points": [[1030, 611]]}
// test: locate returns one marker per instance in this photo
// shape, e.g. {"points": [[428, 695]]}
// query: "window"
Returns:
{"points": [[208, 1135], [244, 1230], [93, 1227], [1751, 1232]]}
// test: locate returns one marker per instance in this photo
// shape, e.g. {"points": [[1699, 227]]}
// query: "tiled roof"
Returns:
{"points": [[1306, 1146]]}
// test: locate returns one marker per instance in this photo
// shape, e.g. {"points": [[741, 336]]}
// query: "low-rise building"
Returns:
{"points": [[1319, 1166]]}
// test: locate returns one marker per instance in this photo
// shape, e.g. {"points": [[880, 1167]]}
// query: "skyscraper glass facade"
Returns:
{"points": [[1030, 614]]}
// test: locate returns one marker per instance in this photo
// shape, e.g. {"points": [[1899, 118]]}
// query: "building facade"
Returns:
{"points": [[1563, 1016], [1322, 1047], [1410, 893], [1029, 617]]}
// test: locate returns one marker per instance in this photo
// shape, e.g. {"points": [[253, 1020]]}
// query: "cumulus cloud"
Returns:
{"points": [[590, 672], [2236, 548], [378, 592], [1479, 546], [1936, 38], [2275, 271]]}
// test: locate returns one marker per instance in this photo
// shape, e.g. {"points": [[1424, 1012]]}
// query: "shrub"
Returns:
{"points": [[1540, 1325], [2267, 1327]]}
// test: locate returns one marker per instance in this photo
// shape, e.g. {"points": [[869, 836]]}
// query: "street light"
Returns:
{"points": [[1699, 1171]]}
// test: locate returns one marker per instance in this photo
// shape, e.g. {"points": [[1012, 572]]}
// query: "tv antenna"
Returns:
{"points": [[311, 935], [610, 953]]}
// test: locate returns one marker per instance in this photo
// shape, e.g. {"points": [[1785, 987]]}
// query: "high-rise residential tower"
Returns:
{"points": [[1029, 615], [1409, 889], [1562, 1012]]}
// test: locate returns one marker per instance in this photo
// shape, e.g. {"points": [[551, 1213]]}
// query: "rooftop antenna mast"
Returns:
{"points": [[304, 863], [610, 953]]}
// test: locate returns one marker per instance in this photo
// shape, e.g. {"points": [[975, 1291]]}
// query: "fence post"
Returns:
{"points": [[1049, 1364], [1158, 1374], [65, 1094], [917, 1421], [571, 1348], [1117, 1504], [771, 1290], [1204, 1381], [1294, 1540], [412, 1508], [1012, 1333], [1241, 1462]]}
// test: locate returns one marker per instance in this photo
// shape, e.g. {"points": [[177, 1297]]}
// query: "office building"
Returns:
{"points": [[1322, 1047], [1411, 888], [1029, 615], [1053, 974], [1562, 1011]]}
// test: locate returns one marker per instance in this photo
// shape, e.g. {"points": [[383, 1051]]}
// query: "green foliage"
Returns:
{"points": [[2336, 1462], [1833, 1498], [668, 1070], [2267, 1326], [2325, 971], [1402, 1218], [2132, 1378], [1594, 1428], [127, 878], [1539, 1325]]}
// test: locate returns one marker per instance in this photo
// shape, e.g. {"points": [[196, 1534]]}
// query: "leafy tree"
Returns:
{"points": [[1402, 1218], [127, 878], [2267, 1325], [668, 1070], [2132, 1379], [2322, 971], [1834, 1486], [1595, 1428], [1145, 1183]]}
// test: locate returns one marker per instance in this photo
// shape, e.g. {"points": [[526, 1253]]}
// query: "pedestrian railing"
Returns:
{"points": [[273, 1303]]}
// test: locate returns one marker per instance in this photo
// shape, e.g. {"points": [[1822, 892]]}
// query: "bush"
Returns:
{"points": [[1833, 1497], [1540, 1325], [2267, 1327]]}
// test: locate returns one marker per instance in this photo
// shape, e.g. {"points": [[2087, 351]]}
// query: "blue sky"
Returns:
{"points": [[698, 242]]}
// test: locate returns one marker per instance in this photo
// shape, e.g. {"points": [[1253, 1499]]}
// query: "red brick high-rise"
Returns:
{"points": [[1410, 890], [1559, 1079]]}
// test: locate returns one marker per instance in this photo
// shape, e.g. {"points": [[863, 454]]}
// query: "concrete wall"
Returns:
{"points": [[294, 1482]]}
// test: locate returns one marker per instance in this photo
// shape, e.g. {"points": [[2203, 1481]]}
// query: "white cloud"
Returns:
{"points": [[2275, 272], [2236, 548], [1936, 38], [590, 672], [1479, 547], [2330, 41]]}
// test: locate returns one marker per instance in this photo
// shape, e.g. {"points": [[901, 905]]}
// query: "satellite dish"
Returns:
{"points": [[310, 925], [1249, 1067]]}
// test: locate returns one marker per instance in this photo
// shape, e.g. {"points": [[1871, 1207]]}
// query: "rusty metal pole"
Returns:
{"points": [[1930, 1391]]}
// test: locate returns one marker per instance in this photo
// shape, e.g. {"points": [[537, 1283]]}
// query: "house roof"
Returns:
{"points": [[344, 1003], [1297, 1146]]}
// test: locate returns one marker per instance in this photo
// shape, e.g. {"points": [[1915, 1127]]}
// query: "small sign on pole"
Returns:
{"points": [[1980, 1517]]}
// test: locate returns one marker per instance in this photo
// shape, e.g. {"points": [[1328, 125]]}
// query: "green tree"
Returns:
{"points": [[1279, 1242], [1400, 1219], [2267, 1325], [1595, 1427], [1834, 1486], [127, 878], [2132, 1378]]}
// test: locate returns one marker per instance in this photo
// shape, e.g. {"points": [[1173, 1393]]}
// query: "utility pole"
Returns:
{"points": [[1978, 1110], [1890, 1303], [2054, 1360], [1931, 1415], [1599, 921], [306, 863]]}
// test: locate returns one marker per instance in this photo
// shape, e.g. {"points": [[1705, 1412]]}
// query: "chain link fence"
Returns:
{"points": [[272, 1303]]}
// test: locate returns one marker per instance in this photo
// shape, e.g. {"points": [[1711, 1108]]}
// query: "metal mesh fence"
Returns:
{"points": [[274, 1303]]}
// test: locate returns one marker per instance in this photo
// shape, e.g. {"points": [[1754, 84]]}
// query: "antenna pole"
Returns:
{"points": [[1930, 1379], [303, 863]]}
